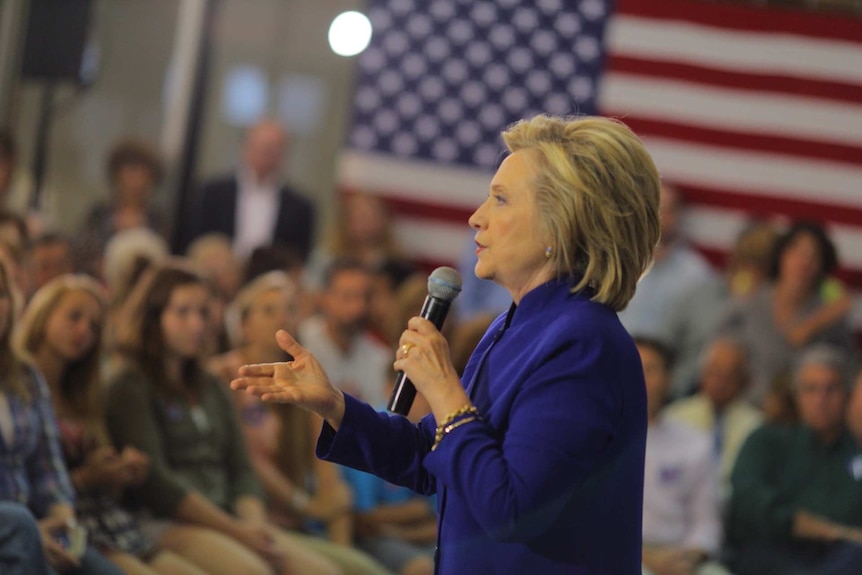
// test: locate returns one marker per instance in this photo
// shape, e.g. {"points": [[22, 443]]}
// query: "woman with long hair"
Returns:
{"points": [[165, 404], [302, 490], [60, 332], [32, 469]]}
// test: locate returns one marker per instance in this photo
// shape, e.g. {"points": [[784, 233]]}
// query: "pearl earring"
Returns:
{"points": [[548, 252]]}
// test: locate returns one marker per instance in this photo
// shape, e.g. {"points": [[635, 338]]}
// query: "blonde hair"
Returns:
{"points": [[597, 194], [245, 298], [80, 387]]}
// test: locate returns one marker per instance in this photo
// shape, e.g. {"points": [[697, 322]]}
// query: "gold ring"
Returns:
{"points": [[405, 349]]}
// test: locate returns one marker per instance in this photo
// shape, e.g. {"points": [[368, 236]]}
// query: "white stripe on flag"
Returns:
{"points": [[727, 109], [743, 51], [770, 175], [432, 239], [425, 182]]}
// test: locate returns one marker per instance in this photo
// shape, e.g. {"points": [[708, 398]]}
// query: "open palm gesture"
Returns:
{"points": [[301, 382]]}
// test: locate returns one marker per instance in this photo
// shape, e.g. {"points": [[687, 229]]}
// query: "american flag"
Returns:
{"points": [[750, 110]]}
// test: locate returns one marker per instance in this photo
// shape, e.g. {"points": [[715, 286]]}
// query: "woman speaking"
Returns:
{"points": [[536, 454]]}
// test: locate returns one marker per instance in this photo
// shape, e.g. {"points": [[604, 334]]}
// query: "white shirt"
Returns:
{"points": [[363, 371], [256, 213], [680, 495]]}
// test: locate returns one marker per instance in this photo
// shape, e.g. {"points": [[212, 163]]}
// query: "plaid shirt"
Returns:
{"points": [[32, 469]]}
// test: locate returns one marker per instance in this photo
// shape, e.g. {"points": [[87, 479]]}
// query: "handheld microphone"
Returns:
{"points": [[444, 284]]}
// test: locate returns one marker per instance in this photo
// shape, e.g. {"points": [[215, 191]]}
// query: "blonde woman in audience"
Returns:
{"points": [[166, 405], [281, 439], [362, 231], [32, 469], [60, 333]]}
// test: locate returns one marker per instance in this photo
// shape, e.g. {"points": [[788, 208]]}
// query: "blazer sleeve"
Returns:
{"points": [[562, 422], [389, 446]]}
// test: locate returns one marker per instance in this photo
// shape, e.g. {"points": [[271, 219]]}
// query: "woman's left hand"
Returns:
{"points": [[423, 355]]}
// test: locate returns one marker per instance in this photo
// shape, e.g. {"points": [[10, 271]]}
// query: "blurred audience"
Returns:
{"points": [[48, 256], [362, 230], [60, 333], [796, 502], [389, 276], [33, 471], [251, 206], [719, 408], [677, 268], [301, 490], [695, 317], [681, 524], [800, 306], [339, 336], [134, 171], [21, 551]]}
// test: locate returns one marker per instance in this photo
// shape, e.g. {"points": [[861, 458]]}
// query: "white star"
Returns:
{"points": [[427, 128], [520, 59], [562, 64], [409, 105], [372, 60], [492, 117], [538, 82], [404, 144], [543, 42], [593, 9], [550, 7], [450, 111], [390, 82], [478, 54], [486, 155], [460, 32], [437, 49], [484, 13], [431, 89], [445, 149], [587, 48], [473, 93], [515, 99], [557, 104], [455, 71], [364, 138], [413, 66], [396, 43], [442, 10], [419, 26], [581, 88], [568, 24], [502, 36], [367, 99], [468, 133], [386, 122], [497, 76], [525, 20]]}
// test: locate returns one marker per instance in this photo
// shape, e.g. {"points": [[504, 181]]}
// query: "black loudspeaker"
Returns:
{"points": [[55, 40]]}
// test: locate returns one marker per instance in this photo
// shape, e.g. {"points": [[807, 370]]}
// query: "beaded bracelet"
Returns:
{"points": [[454, 420]]}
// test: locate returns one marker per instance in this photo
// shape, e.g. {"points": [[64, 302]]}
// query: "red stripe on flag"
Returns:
{"points": [[758, 205], [645, 127], [402, 206], [747, 18], [754, 82]]}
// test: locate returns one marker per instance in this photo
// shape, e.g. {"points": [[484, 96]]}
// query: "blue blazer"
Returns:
{"points": [[551, 481]]}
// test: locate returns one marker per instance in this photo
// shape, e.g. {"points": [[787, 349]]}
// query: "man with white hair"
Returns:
{"points": [[796, 502]]}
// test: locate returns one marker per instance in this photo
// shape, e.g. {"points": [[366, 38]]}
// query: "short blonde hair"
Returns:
{"points": [[239, 308], [597, 194]]}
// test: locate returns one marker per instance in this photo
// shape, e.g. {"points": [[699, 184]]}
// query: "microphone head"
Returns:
{"points": [[444, 283]]}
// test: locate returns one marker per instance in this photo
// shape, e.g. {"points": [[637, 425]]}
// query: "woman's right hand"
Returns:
{"points": [[301, 382]]}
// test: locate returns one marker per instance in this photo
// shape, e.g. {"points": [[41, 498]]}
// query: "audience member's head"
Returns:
{"points": [[657, 362], [724, 371], [803, 258], [363, 229], [62, 326], [264, 148], [820, 389], [127, 254], [48, 256], [346, 301], [277, 257], [213, 256], [750, 259], [134, 169], [262, 307], [166, 322]]}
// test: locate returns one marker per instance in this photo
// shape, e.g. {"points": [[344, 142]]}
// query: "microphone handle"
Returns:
{"points": [[404, 392]]}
